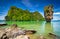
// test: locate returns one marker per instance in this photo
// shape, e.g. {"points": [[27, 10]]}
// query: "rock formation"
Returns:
{"points": [[14, 32], [48, 13]]}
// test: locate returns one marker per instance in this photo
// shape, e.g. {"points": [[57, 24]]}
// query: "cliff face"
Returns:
{"points": [[48, 13]]}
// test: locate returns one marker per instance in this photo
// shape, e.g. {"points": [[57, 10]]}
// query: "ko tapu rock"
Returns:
{"points": [[48, 13]]}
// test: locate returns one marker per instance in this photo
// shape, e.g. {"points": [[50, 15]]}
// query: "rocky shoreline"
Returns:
{"points": [[15, 32]]}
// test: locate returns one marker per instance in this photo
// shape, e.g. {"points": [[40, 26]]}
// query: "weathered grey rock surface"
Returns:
{"points": [[13, 32]]}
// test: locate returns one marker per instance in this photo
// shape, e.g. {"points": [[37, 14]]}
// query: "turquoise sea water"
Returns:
{"points": [[41, 27]]}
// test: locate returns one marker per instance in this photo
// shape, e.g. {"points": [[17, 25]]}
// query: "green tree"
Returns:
{"points": [[37, 16]]}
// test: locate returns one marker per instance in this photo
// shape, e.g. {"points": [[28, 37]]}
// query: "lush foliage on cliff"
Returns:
{"points": [[17, 14]]}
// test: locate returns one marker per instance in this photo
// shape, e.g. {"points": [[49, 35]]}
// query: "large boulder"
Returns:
{"points": [[14, 31]]}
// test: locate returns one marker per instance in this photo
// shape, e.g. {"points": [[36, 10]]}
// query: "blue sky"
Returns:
{"points": [[32, 5]]}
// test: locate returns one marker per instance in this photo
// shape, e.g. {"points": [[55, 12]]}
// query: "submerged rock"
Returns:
{"points": [[54, 36], [41, 37], [30, 31], [51, 34]]}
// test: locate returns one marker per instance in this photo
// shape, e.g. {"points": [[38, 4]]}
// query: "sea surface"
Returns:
{"points": [[41, 27]]}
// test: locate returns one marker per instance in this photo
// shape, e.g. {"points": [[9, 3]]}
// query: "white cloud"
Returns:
{"points": [[27, 3], [56, 16], [57, 13], [2, 17]]}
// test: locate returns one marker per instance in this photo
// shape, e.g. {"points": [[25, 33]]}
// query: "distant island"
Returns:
{"points": [[18, 14]]}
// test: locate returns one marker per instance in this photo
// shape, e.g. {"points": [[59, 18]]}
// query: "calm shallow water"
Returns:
{"points": [[41, 27]]}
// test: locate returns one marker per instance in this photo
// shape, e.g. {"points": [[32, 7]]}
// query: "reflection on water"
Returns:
{"points": [[48, 28]]}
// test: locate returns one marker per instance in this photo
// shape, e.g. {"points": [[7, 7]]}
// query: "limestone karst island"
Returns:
{"points": [[18, 14]]}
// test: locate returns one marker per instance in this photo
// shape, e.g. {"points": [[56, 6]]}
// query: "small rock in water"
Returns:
{"points": [[52, 34], [42, 37]]}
